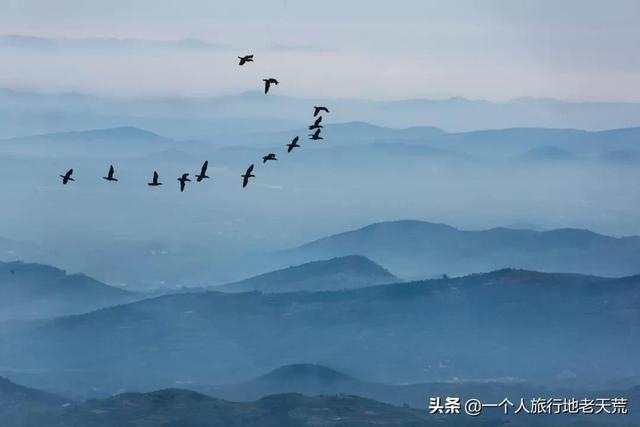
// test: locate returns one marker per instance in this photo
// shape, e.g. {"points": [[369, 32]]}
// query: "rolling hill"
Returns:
{"points": [[40, 291], [317, 380], [482, 326], [24, 407], [178, 407], [347, 272], [418, 248], [20, 406]]}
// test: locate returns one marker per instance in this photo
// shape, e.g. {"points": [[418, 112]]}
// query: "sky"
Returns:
{"points": [[492, 49]]}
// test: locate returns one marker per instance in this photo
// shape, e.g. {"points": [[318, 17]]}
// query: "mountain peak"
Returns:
{"points": [[416, 249], [305, 371], [345, 272]]}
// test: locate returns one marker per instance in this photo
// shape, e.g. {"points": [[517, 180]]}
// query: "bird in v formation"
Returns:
{"points": [[244, 59], [184, 178]]}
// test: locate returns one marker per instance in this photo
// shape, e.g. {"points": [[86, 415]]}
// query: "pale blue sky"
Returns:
{"points": [[570, 49]]}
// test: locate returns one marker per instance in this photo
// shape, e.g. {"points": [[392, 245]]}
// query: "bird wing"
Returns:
{"points": [[295, 140], [69, 173], [110, 171], [204, 167], [318, 120], [182, 184], [249, 170], [155, 176]]}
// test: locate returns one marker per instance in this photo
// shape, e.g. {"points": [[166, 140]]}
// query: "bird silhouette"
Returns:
{"points": [[267, 84], [109, 176], [67, 177], [316, 124], [318, 109], [270, 156], [316, 135], [244, 59], [203, 172], [248, 174], [183, 181], [293, 144], [155, 182]]}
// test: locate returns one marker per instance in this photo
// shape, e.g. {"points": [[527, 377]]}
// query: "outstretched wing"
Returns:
{"points": [[318, 120], [155, 176], [204, 167], [249, 170], [69, 173]]}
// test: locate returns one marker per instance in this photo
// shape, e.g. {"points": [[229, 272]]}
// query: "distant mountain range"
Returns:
{"points": [[122, 141], [351, 139], [407, 332], [349, 272], [29, 112], [40, 291], [418, 248]]}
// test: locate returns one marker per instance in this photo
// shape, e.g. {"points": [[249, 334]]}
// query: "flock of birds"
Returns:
{"points": [[316, 127]]}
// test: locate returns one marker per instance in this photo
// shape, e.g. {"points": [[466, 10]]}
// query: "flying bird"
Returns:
{"points": [[244, 59], [155, 182], [267, 84], [270, 156], [109, 176], [248, 174], [318, 109], [67, 177], [183, 181], [293, 144], [316, 135], [316, 124], [203, 171]]}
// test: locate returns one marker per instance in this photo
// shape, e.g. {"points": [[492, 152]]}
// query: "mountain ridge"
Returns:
{"points": [[398, 327], [348, 272], [421, 248], [31, 290]]}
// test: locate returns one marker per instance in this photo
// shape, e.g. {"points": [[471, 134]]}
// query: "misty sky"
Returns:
{"points": [[570, 49]]}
